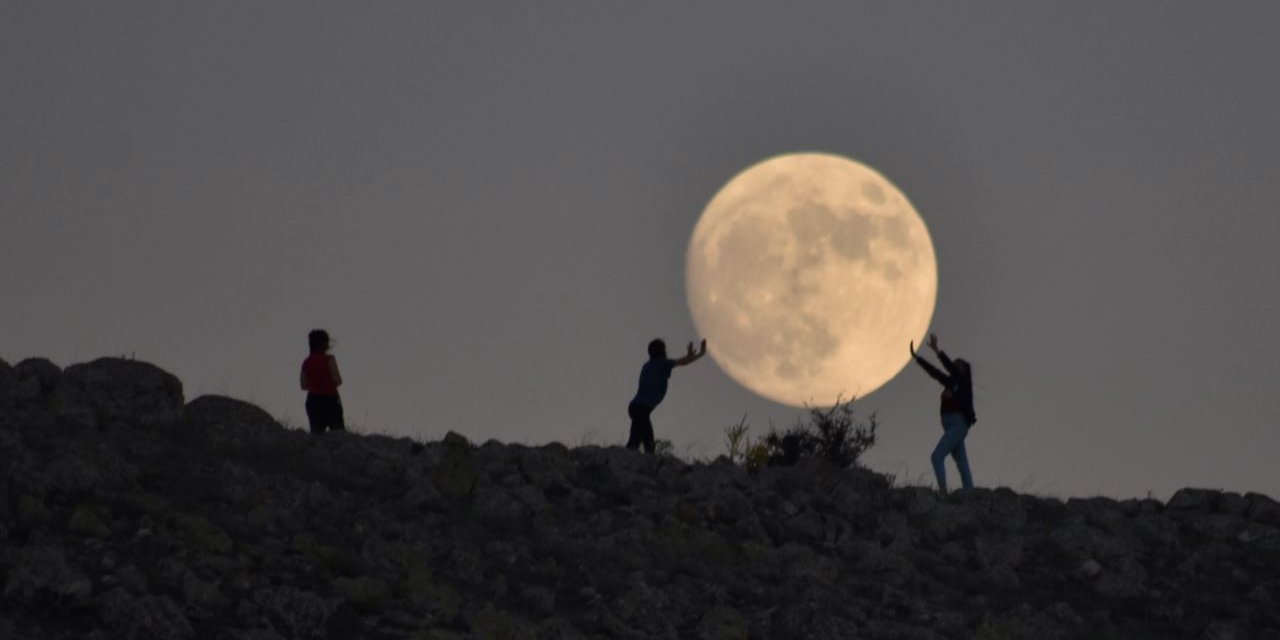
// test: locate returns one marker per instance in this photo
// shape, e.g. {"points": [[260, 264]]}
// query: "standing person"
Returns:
{"points": [[957, 412], [653, 388], [320, 379]]}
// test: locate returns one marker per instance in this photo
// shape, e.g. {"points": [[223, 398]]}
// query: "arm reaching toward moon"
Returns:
{"points": [[947, 362], [933, 371], [692, 356]]}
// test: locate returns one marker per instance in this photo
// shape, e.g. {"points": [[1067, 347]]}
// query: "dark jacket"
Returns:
{"points": [[956, 382]]}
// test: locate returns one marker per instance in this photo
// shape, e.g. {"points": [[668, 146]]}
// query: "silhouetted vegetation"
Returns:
{"points": [[664, 447], [833, 434]]}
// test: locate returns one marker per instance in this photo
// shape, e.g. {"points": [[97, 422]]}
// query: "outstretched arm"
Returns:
{"points": [[947, 363], [692, 356], [933, 371], [942, 355]]}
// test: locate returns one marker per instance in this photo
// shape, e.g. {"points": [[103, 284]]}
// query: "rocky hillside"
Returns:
{"points": [[127, 513]]}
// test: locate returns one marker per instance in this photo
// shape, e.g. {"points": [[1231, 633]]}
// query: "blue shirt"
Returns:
{"points": [[653, 381]]}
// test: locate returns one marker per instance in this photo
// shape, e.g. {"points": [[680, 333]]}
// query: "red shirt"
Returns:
{"points": [[319, 380]]}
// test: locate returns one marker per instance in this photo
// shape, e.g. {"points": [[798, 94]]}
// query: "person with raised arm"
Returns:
{"points": [[957, 412], [653, 388]]}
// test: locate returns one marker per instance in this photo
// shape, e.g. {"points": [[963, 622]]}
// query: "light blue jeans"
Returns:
{"points": [[954, 427]]}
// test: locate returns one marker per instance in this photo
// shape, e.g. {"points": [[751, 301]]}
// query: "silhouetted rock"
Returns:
{"points": [[225, 524], [1262, 509], [116, 390], [1187, 500], [221, 412], [227, 426], [37, 379]]}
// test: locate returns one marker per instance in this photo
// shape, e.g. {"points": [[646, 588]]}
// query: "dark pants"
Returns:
{"points": [[641, 427], [324, 412]]}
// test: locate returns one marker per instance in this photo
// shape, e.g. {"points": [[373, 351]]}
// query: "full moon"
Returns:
{"points": [[808, 274]]}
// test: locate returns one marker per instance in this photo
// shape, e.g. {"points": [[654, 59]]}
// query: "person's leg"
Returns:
{"points": [[958, 428], [952, 437], [646, 430], [939, 459], [962, 462], [633, 440], [337, 422], [315, 414]]}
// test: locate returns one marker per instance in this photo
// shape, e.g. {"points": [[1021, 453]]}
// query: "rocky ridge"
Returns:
{"points": [[127, 512]]}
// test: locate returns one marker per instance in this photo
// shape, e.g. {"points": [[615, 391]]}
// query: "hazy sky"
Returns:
{"points": [[488, 205]]}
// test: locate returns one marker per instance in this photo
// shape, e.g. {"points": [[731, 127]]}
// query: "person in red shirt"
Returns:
{"points": [[320, 379]]}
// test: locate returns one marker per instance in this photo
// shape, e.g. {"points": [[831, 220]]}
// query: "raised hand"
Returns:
{"points": [[933, 341], [691, 356]]}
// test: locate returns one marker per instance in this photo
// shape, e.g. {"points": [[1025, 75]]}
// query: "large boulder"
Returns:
{"points": [[37, 378], [1189, 500], [210, 411], [111, 390], [226, 424]]}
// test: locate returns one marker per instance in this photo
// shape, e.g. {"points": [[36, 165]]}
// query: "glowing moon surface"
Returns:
{"points": [[808, 274]]}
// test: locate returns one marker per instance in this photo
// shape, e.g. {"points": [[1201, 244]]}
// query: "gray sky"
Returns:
{"points": [[488, 205]]}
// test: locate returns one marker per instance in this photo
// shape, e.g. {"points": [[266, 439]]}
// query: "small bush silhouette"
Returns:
{"points": [[741, 449], [757, 455], [832, 434], [664, 448], [737, 442]]}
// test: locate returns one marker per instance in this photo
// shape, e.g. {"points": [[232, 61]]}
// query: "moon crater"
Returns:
{"points": [[809, 273]]}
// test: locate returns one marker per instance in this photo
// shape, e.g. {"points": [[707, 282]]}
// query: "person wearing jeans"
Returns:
{"points": [[956, 411]]}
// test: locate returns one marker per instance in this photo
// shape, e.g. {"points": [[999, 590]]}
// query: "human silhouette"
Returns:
{"points": [[653, 388], [320, 379], [957, 412]]}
